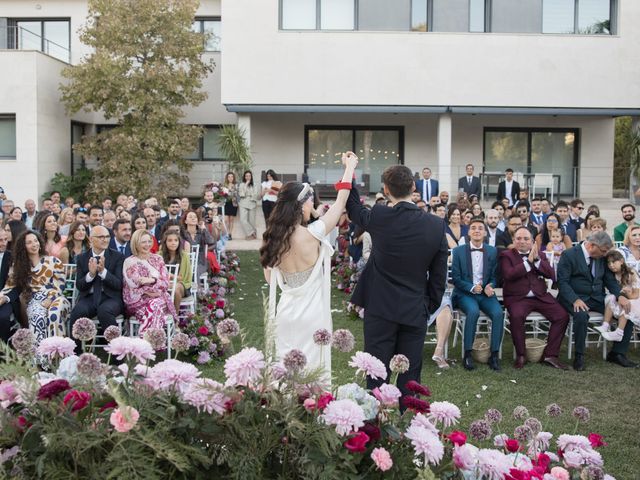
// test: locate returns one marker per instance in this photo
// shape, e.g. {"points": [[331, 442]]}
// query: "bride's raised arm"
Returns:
{"points": [[330, 219]]}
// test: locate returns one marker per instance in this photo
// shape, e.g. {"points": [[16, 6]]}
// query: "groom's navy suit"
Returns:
{"points": [[402, 282]]}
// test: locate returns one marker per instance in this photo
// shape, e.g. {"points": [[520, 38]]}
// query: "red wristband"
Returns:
{"points": [[342, 186]]}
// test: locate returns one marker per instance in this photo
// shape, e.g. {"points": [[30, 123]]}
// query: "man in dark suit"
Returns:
{"points": [[469, 184], [508, 188], [562, 209], [582, 278], [121, 237], [404, 279], [427, 186], [8, 302], [523, 271], [473, 271], [523, 211], [505, 239], [99, 281]]}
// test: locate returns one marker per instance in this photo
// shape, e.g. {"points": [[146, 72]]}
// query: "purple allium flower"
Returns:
{"points": [[219, 313], [156, 337], [322, 337], [343, 340], [493, 416], [553, 410], [399, 363], [581, 414], [180, 342], [213, 347], [194, 342], [480, 430], [90, 366], [294, 360], [203, 357], [592, 472], [534, 424], [24, 342], [228, 328], [111, 332], [523, 433], [84, 329], [520, 412]]}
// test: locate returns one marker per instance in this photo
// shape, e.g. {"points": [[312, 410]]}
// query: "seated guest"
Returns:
{"points": [[629, 217], [491, 221], [14, 229], [582, 278], [537, 217], [505, 239], [47, 225], [476, 210], [146, 284], [569, 227], [422, 205], [547, 207], [522, 198], [502, 222], [522, 210], [15, 214], [121, 238], [196, 234], [96, 215], [454, 229], [444, 198], [173, 254], [473, 271], [434, 202], [99, 281], [30, 214], [81, 215], [415, 196], [65, 220], [586, 226], [440, 211], [577, 208], [140, 223], [551, 224], [176, 227], [508, 188], [467, 215], [631, 248], [77, 243], [39, 281], [6, 307], [108, 219], [523, 271], [443, 317]]}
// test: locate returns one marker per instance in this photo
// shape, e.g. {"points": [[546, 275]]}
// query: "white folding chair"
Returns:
{"points": [[542, 181], [618, 244], [483, 326], [190, 301], [593, 336], [70, 274]]}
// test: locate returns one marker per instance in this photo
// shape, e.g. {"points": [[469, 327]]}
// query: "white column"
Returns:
{"points": [[445, 177], [244, 123]]}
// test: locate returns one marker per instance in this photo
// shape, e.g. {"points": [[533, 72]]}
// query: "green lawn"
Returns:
{"points": [[610, 392]]}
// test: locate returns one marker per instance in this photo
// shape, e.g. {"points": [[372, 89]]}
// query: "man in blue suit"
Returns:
{"points": [[120, 241], [473, 271], [427, 186]]}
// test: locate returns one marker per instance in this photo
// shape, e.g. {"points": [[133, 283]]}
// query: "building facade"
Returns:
{"points": [[533, 85]]}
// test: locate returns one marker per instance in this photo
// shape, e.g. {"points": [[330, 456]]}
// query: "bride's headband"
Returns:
{"points": [[304, 193]]}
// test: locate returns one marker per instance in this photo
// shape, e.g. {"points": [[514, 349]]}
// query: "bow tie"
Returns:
{"points": [[477, 249], [524, 254]]}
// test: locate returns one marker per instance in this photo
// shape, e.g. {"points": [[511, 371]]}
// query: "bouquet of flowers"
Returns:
{"points": [[345, 273], [220, 192], [355, 312]]}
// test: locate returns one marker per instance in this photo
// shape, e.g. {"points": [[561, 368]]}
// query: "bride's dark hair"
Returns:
{"points": [[285, 217]]}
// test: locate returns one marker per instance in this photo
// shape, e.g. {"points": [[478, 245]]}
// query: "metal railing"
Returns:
{"points": [[14, 37]]}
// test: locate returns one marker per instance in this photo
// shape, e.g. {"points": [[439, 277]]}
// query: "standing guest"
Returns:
{"points": [[629, 217], [146, 284], [249, 194], [77, 243], [173, 254], [197, 234], [140, 223], [15, 214], [582, 278], [99, 281], [523, 271], [96, 215], [39, 280], [473, 270], [30, 214], [427, 187], [47, 226], [505, 239], [569, 227], [65, 220], [109, 219], [231, 205], [13, 228], [121, 238], [454, 230], [551, 224], [508, 188], [630, 249], [469, 184], [81, 215], [270, 189], [444, 198], [491, 221]]}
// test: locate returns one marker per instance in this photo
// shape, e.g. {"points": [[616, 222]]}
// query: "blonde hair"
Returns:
{"points": [[63, 215], [627, 234], [598, 221], [136, 238]]}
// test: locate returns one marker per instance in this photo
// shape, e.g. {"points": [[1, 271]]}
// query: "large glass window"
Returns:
{"points": [[207, 148], [48, 36], [558, 16], [476, 15], [337, 14], [376, 15], [585, 17], [8, 136], [531, 151], [419, 15], [299, 14], [377, 148], [594, 16], [212, 28]]}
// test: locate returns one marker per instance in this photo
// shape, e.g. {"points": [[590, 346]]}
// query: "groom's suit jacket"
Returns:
{"points": [[406, 273]]}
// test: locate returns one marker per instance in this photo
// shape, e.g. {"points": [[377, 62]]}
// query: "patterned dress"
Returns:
{"points": [[47, 308], [150, 312]]}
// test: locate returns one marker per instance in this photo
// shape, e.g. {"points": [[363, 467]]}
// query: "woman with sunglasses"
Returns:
{"points": [[551, 224]]}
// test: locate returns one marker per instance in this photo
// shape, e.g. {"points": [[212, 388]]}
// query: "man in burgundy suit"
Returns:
{"points": [[525, 291]]}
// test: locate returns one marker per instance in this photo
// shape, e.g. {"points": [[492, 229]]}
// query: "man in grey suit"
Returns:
{"points": [[469, 184]]}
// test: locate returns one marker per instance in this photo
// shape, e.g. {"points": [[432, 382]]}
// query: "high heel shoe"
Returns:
{"points": [[439, 359]]}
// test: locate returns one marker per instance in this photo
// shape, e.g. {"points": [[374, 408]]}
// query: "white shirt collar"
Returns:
{"points": [[587, 257], [94, 254]]}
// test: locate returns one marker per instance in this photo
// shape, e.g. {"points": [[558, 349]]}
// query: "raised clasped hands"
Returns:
{"points": [[350, 160], [533, 254], [93, 266], [100, 265]]}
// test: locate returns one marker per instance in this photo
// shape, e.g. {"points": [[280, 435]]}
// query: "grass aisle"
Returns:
{"points": [[610, 392]]}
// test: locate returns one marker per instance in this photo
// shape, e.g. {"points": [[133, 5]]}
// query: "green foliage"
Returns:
{"points": [[626, 153], [76, 185], [146, 66], [233, 145]]}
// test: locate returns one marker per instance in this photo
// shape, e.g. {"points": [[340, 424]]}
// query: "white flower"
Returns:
{"points": [[426, 443], [346, 415]]}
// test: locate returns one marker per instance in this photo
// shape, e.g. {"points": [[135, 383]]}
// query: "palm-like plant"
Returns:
{"points": [[234, 147]]}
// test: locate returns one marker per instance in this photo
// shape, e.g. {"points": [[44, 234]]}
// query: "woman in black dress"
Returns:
{"points": [[231, 207]]}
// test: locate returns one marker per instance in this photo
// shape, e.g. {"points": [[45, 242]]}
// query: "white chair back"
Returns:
{"points": [[70, 275], [173, 279], [193, 258], [520, 178], [543, 181], [618, 244]]}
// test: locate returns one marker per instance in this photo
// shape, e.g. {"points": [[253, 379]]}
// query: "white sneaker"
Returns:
{"points": [[615, 336], [602, 328]]}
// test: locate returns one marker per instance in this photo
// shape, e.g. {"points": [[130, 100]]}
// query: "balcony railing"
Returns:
{"points": [[18, 38]]}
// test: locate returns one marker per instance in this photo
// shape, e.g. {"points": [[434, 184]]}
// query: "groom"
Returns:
{"points": [[404, 278]]}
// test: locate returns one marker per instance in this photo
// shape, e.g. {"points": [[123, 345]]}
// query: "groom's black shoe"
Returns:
{"points": [[578, 363], [494, 363], [621, 360], [467, 361]]}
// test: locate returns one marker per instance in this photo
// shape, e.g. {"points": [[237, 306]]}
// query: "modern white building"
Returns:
{"points": [[533, 85]]}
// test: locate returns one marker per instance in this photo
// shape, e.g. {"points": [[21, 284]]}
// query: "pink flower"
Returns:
{"points": [[444, 412], [8, 394], [309, 404], [369, 365], [346, 415], [60, 347], [206, 395], [457, 437], [324, 400], [464, 456], [493, 464], [124, 419], [426, 443], [596, 440], [560, 473], [357, 443], [572, 459], [498, 440], [203, 331], [512, 445], [244, 367], [131, 347], [172, 374], [78, 400], [421, 421], [382, 459], [387, 395]]}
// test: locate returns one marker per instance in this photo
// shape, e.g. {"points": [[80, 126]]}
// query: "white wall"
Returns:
{"points": [[266, 66]]}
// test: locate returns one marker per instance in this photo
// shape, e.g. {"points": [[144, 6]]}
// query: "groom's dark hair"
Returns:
{"points": [[399, 180]]}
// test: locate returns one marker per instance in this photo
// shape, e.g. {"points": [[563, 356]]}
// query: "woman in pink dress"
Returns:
{"points": [[47, 225], [146, 284]]}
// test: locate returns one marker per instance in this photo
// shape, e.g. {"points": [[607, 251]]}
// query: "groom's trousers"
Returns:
{"points": [[383, 339]]}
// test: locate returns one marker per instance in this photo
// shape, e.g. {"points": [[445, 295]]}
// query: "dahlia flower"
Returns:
{"points": [[172, 374], [244, 367], [369, 365], [444, 412], [56, 347], [426, 443], [346, 415]]}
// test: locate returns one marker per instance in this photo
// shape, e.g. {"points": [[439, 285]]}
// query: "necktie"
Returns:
{"points": [[428, 188], [121, 248], [592, 264], [469, 181], [97, 287]]}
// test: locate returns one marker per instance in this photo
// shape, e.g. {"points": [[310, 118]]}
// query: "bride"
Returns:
{"points": [[297, 258]]}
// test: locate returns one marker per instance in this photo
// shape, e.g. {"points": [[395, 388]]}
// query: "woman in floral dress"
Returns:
{"points": [[146, 291]]}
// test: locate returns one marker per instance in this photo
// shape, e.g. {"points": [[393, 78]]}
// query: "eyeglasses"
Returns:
{"points": [[101, 237], [552, 220], [579, 208], [80, 210]]}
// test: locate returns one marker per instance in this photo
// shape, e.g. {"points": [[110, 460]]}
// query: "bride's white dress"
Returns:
{"points": [[304, 306]]}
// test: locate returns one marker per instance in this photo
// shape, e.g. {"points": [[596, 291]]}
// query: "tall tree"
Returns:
{"points": [[145, 67]]}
